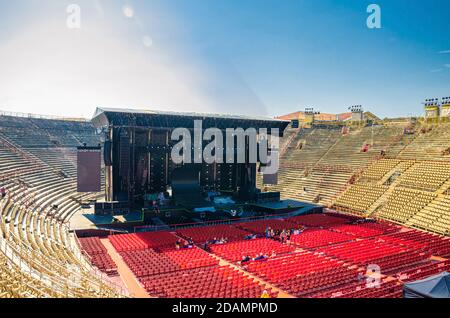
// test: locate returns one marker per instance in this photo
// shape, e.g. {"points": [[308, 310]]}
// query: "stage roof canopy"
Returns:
{"points": [[437, 286], [117, 117]]}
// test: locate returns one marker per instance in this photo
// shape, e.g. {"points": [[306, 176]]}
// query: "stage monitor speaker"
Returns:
{"points": [[107, 153], [264, 197], [124, 155]]}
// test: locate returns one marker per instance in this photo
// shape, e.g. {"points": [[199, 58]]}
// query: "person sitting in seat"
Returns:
{"points": [[213, 241], [265, 294], [246, 259], [187, 245], [261, 257], [283, 236], [297, 231], [250, 237], [258, 257], [178, 244]]}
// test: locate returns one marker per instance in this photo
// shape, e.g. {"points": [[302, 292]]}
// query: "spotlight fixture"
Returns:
{"points": [[309, 111], [356, 108], [432, 102]]}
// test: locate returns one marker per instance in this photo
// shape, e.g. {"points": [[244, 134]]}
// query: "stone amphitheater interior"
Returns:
{"points": [[224, 156], [383, 187]]}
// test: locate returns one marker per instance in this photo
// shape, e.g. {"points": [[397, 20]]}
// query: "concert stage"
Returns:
{"points": [[166, 218], [141, 168], [284, 206], [145, 186]]}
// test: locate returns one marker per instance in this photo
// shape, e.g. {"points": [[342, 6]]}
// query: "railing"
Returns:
{"points": [[317, 167], [97, 272], [156, 228], [33, 159], [14, 258], [36, 116], [285, 147]]}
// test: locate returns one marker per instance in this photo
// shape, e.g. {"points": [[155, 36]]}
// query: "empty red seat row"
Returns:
{"points": [[365, 230], [436, 244], [362, 252], [98, 255], [235, 251], [285, 267], [142, 241], [388, 289], [313, 238], [204, 234], [303, 273], [320, 220], [302, 285], [208, 282], [259, 227], [423, 271], [149, 262]]}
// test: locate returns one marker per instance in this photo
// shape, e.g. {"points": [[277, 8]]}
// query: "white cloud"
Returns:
{"points": [[444, 52], [447, 65], [436, 70]]}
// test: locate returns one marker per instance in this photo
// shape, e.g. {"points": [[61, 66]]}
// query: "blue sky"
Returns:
{"points": [[265, 57]]}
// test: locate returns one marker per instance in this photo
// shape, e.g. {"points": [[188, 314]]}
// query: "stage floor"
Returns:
{"points": [[86, 219], [285, 204]]}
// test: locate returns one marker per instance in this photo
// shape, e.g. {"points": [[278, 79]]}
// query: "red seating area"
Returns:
{"points": [[204, 234], [423, 271], [207, 282], [99, 255], [149, 262], [234, 251], [303, 273], [302, 286], [313, 238], [435, 244], [142, 241], [389, 289], [328, 259], [388, 257], [366, 230], [259, 227], [361, 252], [285, 267], [320, 220]]}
